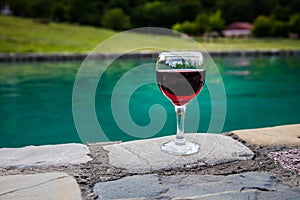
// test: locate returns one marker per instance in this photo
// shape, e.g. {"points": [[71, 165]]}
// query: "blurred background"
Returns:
{"points": [[270, 18], [36, 97], [80, 25]]}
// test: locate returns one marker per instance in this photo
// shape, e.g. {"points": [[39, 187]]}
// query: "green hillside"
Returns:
{"points": [[28, 35]]}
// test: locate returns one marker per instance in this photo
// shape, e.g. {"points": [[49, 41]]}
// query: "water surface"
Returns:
{"points": [[36, 98]]}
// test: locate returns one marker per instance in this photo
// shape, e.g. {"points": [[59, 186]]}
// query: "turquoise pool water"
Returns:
{"points": [[36, 98]]}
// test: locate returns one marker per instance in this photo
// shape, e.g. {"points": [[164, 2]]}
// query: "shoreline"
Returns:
{"points": [[56, 57]]}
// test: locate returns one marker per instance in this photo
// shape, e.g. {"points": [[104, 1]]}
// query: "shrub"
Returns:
{"points": [[202, 24], [186, 27], [262, 26], [116, 19], [270, 27]]}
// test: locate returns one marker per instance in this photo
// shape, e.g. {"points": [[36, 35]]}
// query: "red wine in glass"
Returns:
{"points": [[181, 85]]}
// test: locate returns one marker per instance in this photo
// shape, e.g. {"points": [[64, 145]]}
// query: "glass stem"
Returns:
{"points": [[180, 112]]}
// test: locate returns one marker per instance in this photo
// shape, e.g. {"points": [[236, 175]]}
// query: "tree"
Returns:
{"points": [[243, 10], [294, 24], [60, 11], [188, 9], [163, 13], [20, 8], [262, 26], [86, 12], [279, 29], [202, 21], [281, 13], [216, 22], [116, 19], [40, 8], [156, 13]]}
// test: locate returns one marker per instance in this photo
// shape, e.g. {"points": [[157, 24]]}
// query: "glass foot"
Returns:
{"points": [[180, 149]]}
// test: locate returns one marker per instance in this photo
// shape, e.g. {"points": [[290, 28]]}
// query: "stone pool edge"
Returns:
{"points": [[99, 169], [55, 57]]}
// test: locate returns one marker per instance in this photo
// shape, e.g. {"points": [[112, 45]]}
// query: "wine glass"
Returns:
{"points": [[180, 77]]}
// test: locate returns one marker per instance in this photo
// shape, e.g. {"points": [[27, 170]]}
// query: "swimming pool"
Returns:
{"points": [[36, 98]]}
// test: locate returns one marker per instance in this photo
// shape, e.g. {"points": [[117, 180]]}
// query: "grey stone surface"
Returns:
{"points": [[131, 187], [44, 155], [146, 155], [39, 186], [251, 185]]}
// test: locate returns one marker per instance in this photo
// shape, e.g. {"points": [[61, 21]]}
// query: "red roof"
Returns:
{"points": [[239, 26]]}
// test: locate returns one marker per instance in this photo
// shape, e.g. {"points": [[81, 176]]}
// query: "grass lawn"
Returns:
{"points": [[249, 44], [27, 35]]}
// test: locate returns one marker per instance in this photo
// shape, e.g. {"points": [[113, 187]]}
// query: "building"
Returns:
{"points": [[238, 29], [6, 10]]}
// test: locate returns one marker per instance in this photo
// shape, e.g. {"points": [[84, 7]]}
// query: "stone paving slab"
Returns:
{"points": [[44, 155], [56, 185], [250, 185], [146, 155], [271, 136]]}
